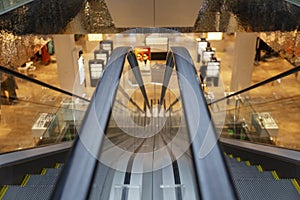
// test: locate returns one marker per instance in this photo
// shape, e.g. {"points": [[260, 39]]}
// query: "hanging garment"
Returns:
{"points": [[45, 55]]}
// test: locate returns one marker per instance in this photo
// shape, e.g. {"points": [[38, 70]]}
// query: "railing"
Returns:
{"points": [[34, 113], [202, 133], [265, 113], [8, 5], [78, 172], [124, 132]]}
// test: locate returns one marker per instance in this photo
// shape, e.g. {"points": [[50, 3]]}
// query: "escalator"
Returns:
{"points": [[252, 182], [33, 186], [37, 125], [152, 140]]}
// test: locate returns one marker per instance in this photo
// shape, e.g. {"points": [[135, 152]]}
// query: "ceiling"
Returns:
{"points": [[154, 13], [114, 16]]}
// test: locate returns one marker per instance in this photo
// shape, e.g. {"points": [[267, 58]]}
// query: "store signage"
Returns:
{"points": [[94, 37], [95, 68], [106, 45], [143, 57], [101, 55], [207, 55]]}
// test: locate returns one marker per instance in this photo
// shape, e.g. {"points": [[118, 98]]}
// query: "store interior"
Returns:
{"points": [[278, 99], [150, 99]]}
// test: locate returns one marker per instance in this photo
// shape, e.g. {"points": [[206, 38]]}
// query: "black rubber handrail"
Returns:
{"points": [[274, 78], [167, 76], [76, 178], [138, 76], [41, 83], [214, 181]]}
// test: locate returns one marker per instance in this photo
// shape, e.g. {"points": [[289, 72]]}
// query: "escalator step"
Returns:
{"points": [[296, 185], [59, 165], [36, 186], [51, 171], [3, 191], [252, 182], [258, 175], [41, 180], [236, 165], [242, 166], [27, 193], [251, 188], [25, 180], [234, 161]]}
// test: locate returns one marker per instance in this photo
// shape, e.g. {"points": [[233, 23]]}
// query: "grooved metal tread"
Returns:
{"points": [[27, 193], [254, 188], [35, 186], [41, 180], [52, 171], [252, 184], [259, 175]]}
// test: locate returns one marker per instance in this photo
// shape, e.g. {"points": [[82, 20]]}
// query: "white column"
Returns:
{"points": [[243, 60], [67, 54]]}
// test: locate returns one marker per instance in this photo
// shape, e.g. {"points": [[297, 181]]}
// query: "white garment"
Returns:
{"points": [[81, 70], [143, 65]]}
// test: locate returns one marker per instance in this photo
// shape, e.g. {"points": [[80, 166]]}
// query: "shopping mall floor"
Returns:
{"points": [[282, 97]]}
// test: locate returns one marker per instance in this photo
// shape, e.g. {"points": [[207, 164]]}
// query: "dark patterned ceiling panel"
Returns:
{"points": [[92, 16]]}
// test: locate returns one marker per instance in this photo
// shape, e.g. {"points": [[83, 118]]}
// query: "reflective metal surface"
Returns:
{"points": [[93, 16]]}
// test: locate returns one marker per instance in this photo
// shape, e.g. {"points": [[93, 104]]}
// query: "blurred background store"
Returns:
{"points": [[65, 45]]}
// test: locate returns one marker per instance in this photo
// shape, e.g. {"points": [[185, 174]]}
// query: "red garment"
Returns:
{"points": [[45, 55]]}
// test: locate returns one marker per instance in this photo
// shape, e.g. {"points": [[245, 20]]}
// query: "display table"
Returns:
{"points": [[66, 108], [71, 110], [264, 124], [45, 125], [209, 96], [159, 47]]}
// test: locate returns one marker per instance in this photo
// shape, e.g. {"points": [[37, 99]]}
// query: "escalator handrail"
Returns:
{"points": [[76, 178], [276, 152], [274, 78], [38, 82], [13, 158], [213, 176]]}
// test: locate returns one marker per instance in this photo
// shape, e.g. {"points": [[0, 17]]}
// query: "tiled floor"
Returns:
{"points": [[18, 118], [280, 98], [283, 100]]}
